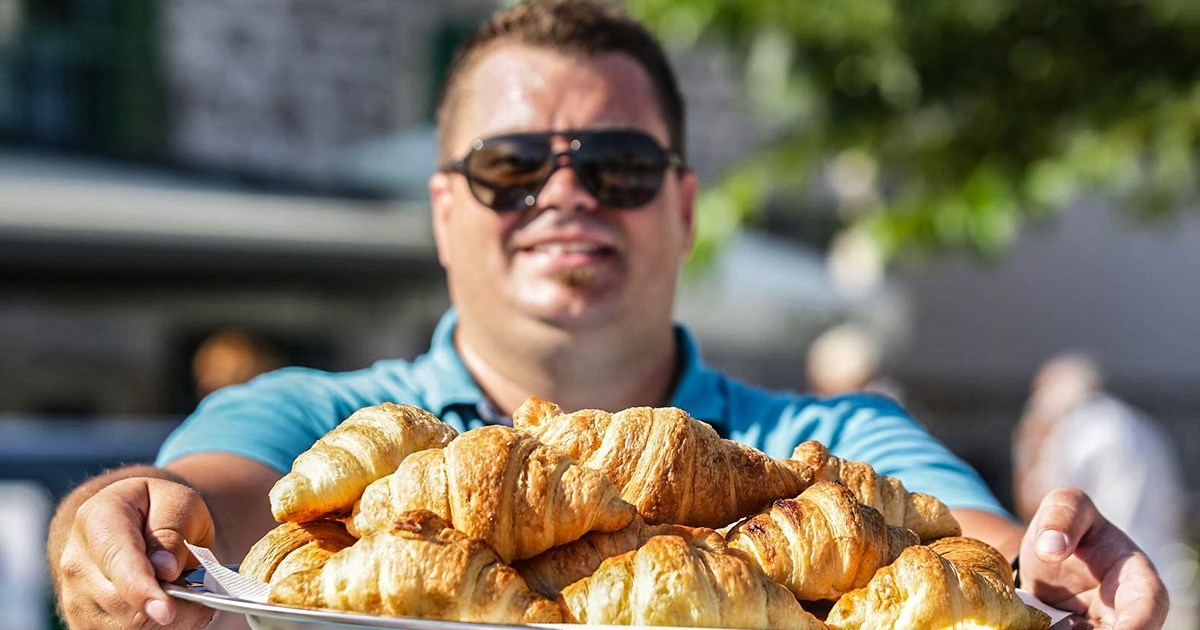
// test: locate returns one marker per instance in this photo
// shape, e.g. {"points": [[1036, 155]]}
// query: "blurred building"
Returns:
{"points": [[173, 168]]}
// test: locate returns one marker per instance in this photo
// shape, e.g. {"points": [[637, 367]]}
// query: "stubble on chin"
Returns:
{"points": [[575, 278]]}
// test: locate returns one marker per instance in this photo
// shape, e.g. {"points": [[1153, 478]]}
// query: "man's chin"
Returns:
{"points": [[577, 313]]}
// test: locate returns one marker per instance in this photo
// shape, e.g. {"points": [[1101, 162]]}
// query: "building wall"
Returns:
{"points": [[281, 88], [1090, 279]]}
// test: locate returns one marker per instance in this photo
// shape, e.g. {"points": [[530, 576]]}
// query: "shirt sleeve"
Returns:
{"points": [[877, 430], [271, 419]]}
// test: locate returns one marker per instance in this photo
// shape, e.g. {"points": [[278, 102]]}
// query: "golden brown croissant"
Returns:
{"points": [[553, 570], [974, 555], [670, 581], [821, 544], [673, 468], [501, 485], [928, 517], [330, 476], [419, 568], [294, 547], [970, 588]]}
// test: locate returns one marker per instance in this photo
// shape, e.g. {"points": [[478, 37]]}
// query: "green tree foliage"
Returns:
{"points": [[950, 124]]}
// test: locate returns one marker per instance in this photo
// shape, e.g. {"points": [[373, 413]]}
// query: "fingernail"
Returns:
{"points": [[164, 560], [157, 610], [1051, 543]]}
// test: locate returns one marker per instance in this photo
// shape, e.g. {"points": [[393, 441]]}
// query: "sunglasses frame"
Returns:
{"points": [[577, 138]]}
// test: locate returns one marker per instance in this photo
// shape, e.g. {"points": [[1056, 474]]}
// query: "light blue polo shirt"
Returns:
{"points": [[277, 416]]}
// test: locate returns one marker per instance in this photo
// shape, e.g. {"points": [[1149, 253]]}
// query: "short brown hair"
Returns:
{"points": [[585, 28]]}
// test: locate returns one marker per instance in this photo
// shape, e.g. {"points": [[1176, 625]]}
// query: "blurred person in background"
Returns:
{"points": [[231, 356], [1074, 433], [845, 359], [563, 214]]}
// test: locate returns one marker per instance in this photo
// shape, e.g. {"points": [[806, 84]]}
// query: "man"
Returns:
{"points": [[562, 217]]}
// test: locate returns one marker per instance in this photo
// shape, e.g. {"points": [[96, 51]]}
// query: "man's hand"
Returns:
{"points": [[1074, 559], [125, 539]]}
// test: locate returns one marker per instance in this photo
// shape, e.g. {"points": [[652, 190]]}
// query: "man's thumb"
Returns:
{"points": [[177, 513]]}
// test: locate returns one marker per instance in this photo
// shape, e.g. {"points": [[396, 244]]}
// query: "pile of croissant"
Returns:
{"points": [[642, 517]]}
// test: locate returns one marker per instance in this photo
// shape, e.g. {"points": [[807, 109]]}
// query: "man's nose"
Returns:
{"points": [[564, 190]]}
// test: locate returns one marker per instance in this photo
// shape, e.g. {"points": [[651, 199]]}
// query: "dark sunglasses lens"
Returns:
{"points": [[621, 169], [505, 171]]}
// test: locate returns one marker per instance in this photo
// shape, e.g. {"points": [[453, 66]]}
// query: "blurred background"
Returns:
{"points": [[928, 199]]}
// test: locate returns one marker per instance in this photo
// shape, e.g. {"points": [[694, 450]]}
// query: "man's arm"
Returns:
{"points": [[114, 538], [993, 529], [236, 490]]}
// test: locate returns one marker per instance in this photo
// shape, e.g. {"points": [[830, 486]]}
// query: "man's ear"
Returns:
{"points": [[441, 203], [689, 185]]}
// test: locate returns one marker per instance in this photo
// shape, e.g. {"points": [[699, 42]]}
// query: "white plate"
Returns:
{"points": [[276, 617]]}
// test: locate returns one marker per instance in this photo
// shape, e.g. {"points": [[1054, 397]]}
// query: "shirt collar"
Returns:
{"points": [[447, 382], [700, 390], [442, 374]]}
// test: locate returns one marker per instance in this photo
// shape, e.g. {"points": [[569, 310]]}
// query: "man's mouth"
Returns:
{"points": [[574, 263], [571, 247]]}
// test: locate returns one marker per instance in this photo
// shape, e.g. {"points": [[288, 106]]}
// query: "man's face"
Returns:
{"points": [[568, 260]]}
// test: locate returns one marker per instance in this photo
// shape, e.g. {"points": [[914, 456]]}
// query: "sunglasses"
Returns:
{"points": [[621, 168]]}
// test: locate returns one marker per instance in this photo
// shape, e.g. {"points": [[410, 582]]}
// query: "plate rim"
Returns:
{"points": [[190, 587]]}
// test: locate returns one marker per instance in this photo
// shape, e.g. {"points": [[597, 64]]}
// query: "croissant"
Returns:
{"points": [[294, 547], [670, 581], [554, 569], [969, 588], [673, 468], [419, 568], [925, 515], [330, 476], [501, 485], [821, 544]]}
